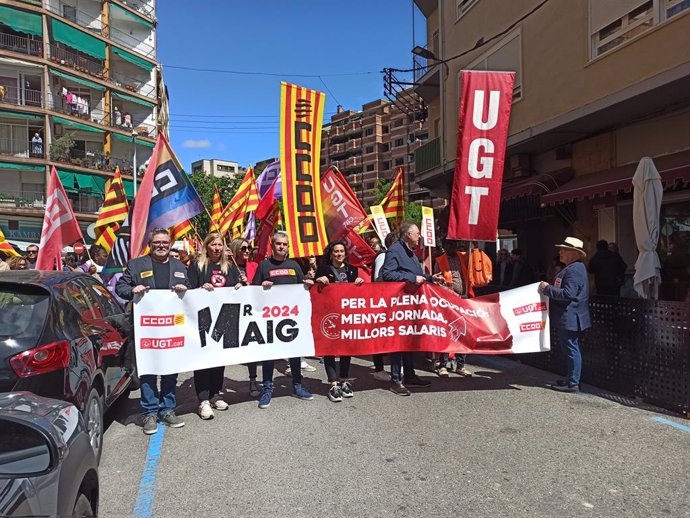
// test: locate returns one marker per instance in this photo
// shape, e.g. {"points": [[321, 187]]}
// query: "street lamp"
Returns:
{"points": [[424, 53], [134, 160]]}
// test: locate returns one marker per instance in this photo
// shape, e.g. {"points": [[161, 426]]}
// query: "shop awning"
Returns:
{"points": [[77, 125], [78, 80], [134, 60], [21, 21], [130, 98], [614, 181], [540, 184], [22, 167], [30, 116], [78, 40], [131, 15]]}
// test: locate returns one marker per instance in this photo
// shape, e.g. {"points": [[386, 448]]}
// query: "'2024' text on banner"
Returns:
{"points": [[201, 329]]}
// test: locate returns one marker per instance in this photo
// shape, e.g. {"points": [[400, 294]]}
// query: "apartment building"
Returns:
{"points": [[79, 90], [217, 168], [599, 85], [370, 144]]}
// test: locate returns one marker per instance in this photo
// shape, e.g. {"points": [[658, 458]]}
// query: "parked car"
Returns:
{"points": [[47, 464], [63, 336]]}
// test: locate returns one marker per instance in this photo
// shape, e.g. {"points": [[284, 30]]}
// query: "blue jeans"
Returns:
{"points": [[402, 362], [570, 343], [154, 402]]}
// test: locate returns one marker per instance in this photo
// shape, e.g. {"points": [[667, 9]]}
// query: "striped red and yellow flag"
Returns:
{"points": [[113, 212], [7, 248], [180, 230], [216, 211], [246, 195], [253, 195], [301, 117], [394, 202]]}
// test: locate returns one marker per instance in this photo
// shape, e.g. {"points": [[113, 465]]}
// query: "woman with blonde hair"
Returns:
{"points": [[211, 270], [18, 263]]}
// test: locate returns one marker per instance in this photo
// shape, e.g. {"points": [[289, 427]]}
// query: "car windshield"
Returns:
{"points": [[23, 311]]}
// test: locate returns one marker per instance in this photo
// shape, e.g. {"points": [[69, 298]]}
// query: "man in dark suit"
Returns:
{"points": [[157, 271], [608, 268], [569, 308]]}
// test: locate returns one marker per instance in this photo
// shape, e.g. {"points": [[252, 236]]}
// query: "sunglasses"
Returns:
{"points": [[244, 248], [31, 252]]}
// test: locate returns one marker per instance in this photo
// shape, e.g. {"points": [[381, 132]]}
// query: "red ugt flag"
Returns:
{"points": [[485, 104], [60, 227]]}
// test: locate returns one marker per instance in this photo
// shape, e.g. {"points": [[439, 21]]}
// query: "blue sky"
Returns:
{"points": [[212, 113]]}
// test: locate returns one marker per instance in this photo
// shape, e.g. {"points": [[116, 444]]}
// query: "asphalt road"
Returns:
{"points": [[497, 444]]}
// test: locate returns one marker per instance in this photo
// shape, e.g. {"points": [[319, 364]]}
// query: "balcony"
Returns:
{"points": [[427, 76], [69, 58], [21, 44], [141, 6], [428, 156], [132, 84], [58, 103], [353, 162], [85, 203], [22, 199], [353, 144], [87, 15], [22, 148], [21, 97]]}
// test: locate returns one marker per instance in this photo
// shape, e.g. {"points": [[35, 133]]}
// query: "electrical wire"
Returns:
{"points": [[270, 74]]}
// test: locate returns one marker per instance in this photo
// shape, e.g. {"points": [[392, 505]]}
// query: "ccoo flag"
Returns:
{"points": [[166, 197], [301, 116]]}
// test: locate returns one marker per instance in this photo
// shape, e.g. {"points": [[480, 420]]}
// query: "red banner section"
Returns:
{"points": [[387, 317], [485, 104]]}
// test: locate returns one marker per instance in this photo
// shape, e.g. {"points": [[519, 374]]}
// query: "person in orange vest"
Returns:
{"points": [[453, 266]]}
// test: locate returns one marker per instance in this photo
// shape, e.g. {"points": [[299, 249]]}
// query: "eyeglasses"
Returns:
{"points": [[244, 249], [160, 243], [32, 252]]}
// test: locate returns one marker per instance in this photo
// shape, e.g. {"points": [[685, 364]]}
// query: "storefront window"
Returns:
{"points": [[674, 252]]}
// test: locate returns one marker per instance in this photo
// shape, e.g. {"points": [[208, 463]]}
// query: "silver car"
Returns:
{"points": [[47, 464]]}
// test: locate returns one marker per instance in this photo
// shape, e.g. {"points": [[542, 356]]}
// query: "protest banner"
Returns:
{"points": [[485, 104], [201, 329], [380, 222]]}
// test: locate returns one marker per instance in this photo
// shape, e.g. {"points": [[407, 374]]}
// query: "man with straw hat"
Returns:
{"points": [[569, 308]]}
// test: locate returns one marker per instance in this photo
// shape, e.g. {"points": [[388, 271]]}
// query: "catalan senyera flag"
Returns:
{"points": [[216, 211], [245, 200], [7, 248], [180, 230], [301, 116], [394, 202], [113, 212]]}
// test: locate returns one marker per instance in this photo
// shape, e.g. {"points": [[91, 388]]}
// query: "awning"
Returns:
{"points": [[67, 180], [134, 60], [129, 188], [78, 80], [86, 182], [78, 40], [129, 98], [30, 116], [540, 184], [131, 15], [22, 167], [614, 181], [21, 21], [77, 125], [127, 139]]}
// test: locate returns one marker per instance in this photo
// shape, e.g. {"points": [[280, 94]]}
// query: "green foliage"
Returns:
{"points": [[204, 185], [61, 147], [413, 212]]}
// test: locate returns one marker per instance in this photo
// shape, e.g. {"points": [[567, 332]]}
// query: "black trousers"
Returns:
{"points": [[378, 362], [329, 362], [208, 382], [268, 367]]}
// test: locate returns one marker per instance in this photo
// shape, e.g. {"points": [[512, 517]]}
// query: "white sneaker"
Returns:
{"points": [[306, 367], [219, 404], [382, 376], [205, 410]]}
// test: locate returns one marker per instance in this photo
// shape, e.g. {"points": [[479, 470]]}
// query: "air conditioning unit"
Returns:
{"points": [[520, 165]]}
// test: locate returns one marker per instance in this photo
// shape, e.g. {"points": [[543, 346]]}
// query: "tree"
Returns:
{"points": [[227, 186]]}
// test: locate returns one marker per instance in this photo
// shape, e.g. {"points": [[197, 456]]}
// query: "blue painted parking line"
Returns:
{"points": [[143, 507], [663, 420]]}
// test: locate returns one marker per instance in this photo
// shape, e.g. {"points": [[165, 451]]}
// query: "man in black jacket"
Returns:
{"points": [[156, 271], [608, 268], [401, 264]]}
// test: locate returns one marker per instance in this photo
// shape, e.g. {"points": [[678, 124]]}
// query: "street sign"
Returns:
{"points": [[78, 248]]}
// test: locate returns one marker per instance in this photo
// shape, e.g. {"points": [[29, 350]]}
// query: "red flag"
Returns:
{"points": [[265, 231], [485, 104], [359, 252], [342, 211], [60, 227], [266, 202]]}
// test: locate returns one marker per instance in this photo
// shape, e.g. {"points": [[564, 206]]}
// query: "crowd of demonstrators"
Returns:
{"points": [[335, 270], [159, 271], [608, 269], [379, 373]]}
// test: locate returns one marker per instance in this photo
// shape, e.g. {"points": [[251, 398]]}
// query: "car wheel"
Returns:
{"points": [[82, 507], [93, 415]]}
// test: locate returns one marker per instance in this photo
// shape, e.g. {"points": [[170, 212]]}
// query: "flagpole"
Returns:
{"points": [[134, 160]]}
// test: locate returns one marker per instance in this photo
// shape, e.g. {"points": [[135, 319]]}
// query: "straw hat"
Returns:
{"points": [[573, 243]]}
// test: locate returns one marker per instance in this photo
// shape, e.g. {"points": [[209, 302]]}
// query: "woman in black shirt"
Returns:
{"points": [[209, 271], [335, 269]]}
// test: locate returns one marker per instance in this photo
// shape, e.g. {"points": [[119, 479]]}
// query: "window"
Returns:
{"points": [[386, 165], [465, 5], [101, 298], [385, 129], [369, 185], [369, 149], [399, 161], [385, 147], [226, 168], [613, 26], [368, 132], [70, 12], [399, 122], [370, 167], [399, 142], [504, 56]]}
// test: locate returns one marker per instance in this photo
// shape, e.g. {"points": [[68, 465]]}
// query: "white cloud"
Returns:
{"points": [[197, 143]]}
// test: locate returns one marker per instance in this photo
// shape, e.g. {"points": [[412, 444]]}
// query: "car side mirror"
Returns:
{"points": [[25, 450]]}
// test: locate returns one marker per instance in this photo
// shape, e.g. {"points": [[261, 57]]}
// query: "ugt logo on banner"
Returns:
{"points": [[485, 104]]}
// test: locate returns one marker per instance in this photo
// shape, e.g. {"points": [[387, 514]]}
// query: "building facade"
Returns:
{"points": [[370, 144], [79, 90], [217, 168], [599, 85]]}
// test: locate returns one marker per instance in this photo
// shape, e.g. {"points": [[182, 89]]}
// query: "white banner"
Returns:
{"points": [[201, 329], [428, 228], [380, 222]]}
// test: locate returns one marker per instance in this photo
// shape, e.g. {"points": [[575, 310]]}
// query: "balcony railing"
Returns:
{"points": [[19, 97], [428, 156], [81, 18], [84, 202], [69, 58], [131, 43], [133, 85], [59, 104], [21, 44], [22, 199], [139, 5], [421, 67], [22, 148]]}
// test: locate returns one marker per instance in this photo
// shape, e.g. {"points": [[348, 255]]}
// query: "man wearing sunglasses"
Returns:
{"points": [[31, 257]]}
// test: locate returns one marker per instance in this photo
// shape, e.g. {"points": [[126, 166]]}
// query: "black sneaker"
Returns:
{"points": [[399, 389], [416, 381], [346, 389], [335, 394]]}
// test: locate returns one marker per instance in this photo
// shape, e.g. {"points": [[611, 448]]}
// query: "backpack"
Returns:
{"points": [[481, 271]]}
